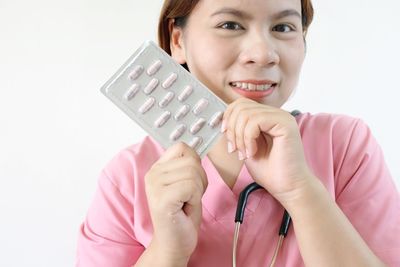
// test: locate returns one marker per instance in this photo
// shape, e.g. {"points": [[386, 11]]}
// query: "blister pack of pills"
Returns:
{"points": [[168, 102]]}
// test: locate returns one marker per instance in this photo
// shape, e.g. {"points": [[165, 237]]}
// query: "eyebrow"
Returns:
{"points": [[241, 14], [287, 13], [231, 11]]}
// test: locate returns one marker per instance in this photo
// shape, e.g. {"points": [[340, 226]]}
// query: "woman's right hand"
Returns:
{"points": [[175, 185]]}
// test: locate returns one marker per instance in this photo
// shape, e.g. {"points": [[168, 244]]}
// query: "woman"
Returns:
{"points": [[169, 208]]}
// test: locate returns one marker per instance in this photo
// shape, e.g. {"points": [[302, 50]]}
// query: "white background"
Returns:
{"points": [[57, 130]]}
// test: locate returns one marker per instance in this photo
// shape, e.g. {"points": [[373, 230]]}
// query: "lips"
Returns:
{"points": [[253, 89], [247, 86]]}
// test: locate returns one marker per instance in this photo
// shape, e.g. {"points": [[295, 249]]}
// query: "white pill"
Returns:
{"points": [[200, 106], [166, 100], [215, 119], [186, 92], [135, 73], [154, 67], [178, 132], [131, 92], [150, 86], [195, 142], [197, 125], [170, 80], [162, 119], [147, 105], [182, 112]]}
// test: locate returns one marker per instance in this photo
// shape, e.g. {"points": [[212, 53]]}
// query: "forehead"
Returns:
{"points": [[261, 7]]}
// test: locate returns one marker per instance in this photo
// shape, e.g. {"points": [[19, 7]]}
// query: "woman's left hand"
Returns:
{"points": [[269, 140]]}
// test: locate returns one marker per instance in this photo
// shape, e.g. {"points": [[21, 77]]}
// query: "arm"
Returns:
{"points": [[325, 236], [105, 237], [155, 255], [360, 227]]}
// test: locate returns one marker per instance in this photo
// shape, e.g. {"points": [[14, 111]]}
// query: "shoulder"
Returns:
{"points": [[333, 128], [329, 121], [144, 152], [338, 145], [346, 146], [129, 166]]}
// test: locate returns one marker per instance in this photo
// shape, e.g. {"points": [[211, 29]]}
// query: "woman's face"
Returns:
{"points": [[243, 48]]}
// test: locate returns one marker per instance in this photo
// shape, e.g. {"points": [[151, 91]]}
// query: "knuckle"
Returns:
{"points": [[239, 145], [188, 186], [192, 171], [239, 134], [156, 166], [203, 176], [230, 133], [151, 177], [180, 147], [193, 187], [191, 162], [149, 180], [251, 132], [242, 100], [194, 157]]}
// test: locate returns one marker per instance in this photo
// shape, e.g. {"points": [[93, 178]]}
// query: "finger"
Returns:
{"points": [[189, 172], [240, 123], [276, 125], [250, 119], [230, 136], [225, 117], [248, 130], [176, 164], [229, 111], [174, 170], [251, 134], [178, 150], [237, 119], [228, 125], [174, 196]]}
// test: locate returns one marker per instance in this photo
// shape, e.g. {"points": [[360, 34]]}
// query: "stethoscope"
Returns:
{"points": [[244, 195], [283, 230]]}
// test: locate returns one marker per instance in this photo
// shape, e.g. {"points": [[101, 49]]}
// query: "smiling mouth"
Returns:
{"points": [[251, 87]]}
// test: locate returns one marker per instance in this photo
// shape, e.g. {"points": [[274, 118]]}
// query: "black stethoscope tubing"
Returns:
{"points": [[241, 206]]}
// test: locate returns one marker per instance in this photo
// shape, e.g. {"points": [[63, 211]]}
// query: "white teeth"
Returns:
{"points": [[251, 86]]}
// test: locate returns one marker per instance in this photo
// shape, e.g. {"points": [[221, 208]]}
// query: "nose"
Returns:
{"points": [[259, 51]]}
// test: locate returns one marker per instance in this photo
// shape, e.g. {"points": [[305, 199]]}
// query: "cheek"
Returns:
{"points": [[292, 60], [211, 55]]}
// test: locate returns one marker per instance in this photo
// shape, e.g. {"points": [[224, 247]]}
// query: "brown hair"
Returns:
{"points": [[180, 9]]}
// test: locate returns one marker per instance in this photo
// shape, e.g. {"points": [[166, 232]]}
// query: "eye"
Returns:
{"points": [[283, 28], [231, 25]]}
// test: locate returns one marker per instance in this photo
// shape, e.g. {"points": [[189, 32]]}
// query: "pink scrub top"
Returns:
{"points": [[340, 150]]}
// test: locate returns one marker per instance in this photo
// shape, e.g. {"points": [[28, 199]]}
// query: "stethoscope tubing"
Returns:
{"points": [[239, 217]]}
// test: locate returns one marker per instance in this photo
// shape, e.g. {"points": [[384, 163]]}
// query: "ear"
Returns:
{"points": [[176, 42]]}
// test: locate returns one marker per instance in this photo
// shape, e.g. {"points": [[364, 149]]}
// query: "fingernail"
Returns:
{"points": [[241, 157], [223, 126], [230, 147]]}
